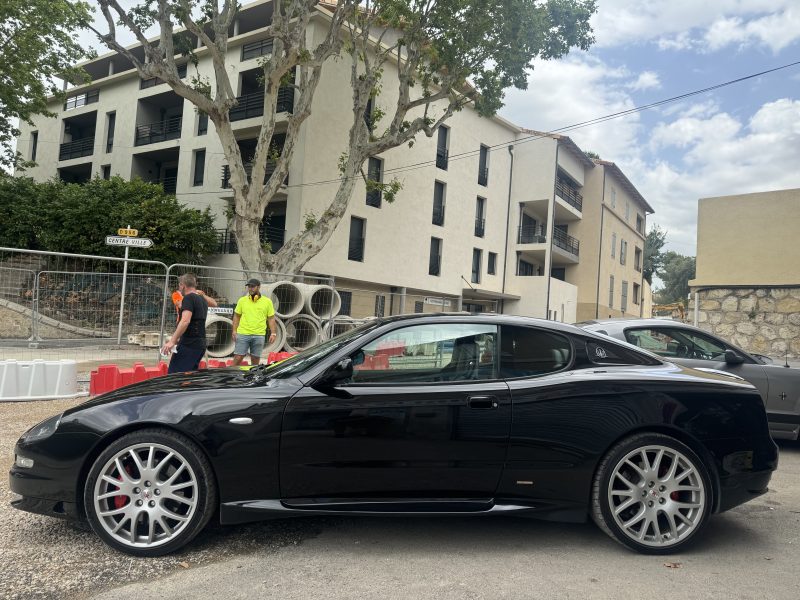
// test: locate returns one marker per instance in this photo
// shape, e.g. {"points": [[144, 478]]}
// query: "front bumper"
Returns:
{"points": [[50, 508]]}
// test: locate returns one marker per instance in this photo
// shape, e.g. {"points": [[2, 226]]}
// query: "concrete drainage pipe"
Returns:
{"points": [[337, 326], [321, 301], [302, 332], [290, 299], [219, 336], [280, 339]]}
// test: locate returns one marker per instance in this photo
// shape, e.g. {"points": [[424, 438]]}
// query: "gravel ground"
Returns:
{"points": [[43, 557]]}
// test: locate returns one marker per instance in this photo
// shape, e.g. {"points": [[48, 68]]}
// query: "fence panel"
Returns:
{"points": [[17, 303]]}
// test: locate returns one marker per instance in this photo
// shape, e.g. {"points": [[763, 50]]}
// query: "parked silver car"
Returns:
{"points": [[686, 345]]}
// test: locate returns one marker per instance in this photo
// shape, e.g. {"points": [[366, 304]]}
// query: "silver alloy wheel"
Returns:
{"points": [[656, 496], [145, 495]]}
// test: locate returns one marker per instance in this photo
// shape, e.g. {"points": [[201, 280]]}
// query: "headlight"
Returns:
{"points": [[44, 429]]}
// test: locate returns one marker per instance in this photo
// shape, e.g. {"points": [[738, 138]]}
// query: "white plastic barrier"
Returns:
{"points": [[321, 301], [38, 380]]}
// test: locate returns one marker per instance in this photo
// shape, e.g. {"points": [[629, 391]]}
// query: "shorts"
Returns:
{"points": [[249, 344], [185, 359]]}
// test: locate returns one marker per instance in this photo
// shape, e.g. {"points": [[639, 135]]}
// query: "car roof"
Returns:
{"points": [[627, 323], [483, 318]]}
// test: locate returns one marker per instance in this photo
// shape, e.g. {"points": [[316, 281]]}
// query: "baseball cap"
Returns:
{"points": [[253, 281]]}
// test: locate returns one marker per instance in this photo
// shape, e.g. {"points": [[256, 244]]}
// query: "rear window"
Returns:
{"points": [[608, 353], [528, 352]]}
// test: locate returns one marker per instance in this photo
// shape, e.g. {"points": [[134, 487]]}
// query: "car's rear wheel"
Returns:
{"points": [[651, 493], [150, 492]]}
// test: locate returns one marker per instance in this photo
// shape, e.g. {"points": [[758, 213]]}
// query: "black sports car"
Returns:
{"points": [[419, 415]]}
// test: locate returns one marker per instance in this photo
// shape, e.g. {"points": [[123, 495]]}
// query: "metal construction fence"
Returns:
{"points": [[99, 309]]}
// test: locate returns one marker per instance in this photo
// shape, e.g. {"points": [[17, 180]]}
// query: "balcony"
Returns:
{"points": [[154, 81], [248, 168], [566, 242], [435, 265], [252, 105], [483, 176], [532, 234], [438, 216], [226, 240], [569, 195], [76, 149], [82, 99], [161, 131], [480, 225], [169, 184], [442, 157], [256, 49]]}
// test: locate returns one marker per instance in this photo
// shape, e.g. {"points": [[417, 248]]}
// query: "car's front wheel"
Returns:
{"points": [[651, 493], [150, 492]]}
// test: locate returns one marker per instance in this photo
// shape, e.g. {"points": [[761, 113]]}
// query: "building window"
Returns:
{"points": [[480, 214], [256, 49], [640, 224], [435, 261], [477, 256], [624, 300], [613, 245], [105, 171], [483, 166], [613, 197], [623, 251], [627, 210], [34, 144], [347, 303], [525, 269], [419, 306], [112, 122], [611, 292], [637, 259], [438, 203], [491, 268], [636, 292], [559, 273], [202, 124], [82, 99], [199, 167], [374, 173], [380, 305], [442, 151], [355, 249]]}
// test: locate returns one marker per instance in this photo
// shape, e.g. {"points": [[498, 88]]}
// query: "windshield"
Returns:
{"points": [[298, 363]]}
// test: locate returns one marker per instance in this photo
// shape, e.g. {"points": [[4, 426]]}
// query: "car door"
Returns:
{"points": [[694, 349], [424, 416]]}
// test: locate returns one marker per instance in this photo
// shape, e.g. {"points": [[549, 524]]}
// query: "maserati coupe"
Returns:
{"points": [[448, 414]]}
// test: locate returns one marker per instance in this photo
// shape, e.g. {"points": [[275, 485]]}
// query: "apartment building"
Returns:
{"points": [[494, 217]]}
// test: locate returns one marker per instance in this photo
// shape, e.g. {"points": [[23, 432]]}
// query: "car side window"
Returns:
{"points": [[528, 352], [676, 343], [440, 352]]}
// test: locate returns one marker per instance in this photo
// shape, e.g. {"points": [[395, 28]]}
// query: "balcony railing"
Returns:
{"points": [[252, 105], [154, 81], [161, 131], [480, 225], [227, 240], [570, 195], [531, 234], [76, 149], [169, 184], [438, 216], [256, 49], [248, 168], [483, 176], [442, 157], [435, 265], [566, 242]]}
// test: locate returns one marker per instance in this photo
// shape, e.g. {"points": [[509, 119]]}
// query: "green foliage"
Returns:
{"points": [[591, 154], [388, 190], [63, 217], [653, 256], [676, 272], [310, 219], [38, 45]]}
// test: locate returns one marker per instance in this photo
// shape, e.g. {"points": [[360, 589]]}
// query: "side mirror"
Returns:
{"points": [[732, 358], [338, 373]]}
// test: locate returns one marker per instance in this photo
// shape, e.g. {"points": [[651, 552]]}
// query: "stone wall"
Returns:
{"points": [[762, 320]]}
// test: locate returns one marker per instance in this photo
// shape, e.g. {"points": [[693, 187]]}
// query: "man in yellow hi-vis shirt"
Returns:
{"points": [[250, 317]]}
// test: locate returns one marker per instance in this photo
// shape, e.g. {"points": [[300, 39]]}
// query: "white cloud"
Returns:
{"points": [[647, 80], [688, 24]]}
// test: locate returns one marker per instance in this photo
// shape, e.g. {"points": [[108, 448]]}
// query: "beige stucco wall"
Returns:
{"points": [[749, 239]]}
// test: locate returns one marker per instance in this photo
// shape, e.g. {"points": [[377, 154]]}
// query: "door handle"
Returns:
{"points": [[241, 421], [482, 402]]}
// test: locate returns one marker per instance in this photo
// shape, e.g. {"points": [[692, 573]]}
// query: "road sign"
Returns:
{"points": [[118, 240], [128, 232]]}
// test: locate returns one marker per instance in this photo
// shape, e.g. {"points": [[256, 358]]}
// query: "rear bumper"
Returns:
{"points": [[742, 488]]}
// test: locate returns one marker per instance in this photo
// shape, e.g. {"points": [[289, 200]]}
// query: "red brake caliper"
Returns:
{"points": [[120, 501]]}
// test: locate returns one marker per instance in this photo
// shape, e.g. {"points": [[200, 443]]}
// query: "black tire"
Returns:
{"points": [[650, 495], [192, 505]]}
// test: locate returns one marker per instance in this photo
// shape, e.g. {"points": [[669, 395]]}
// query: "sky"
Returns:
{"points": [[738, 139]]}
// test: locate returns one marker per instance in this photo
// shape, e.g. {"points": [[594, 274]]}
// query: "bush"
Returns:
{"points": [[69, 217]]}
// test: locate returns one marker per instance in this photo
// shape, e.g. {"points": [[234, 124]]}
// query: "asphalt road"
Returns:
{"points": [[750, 552]]}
